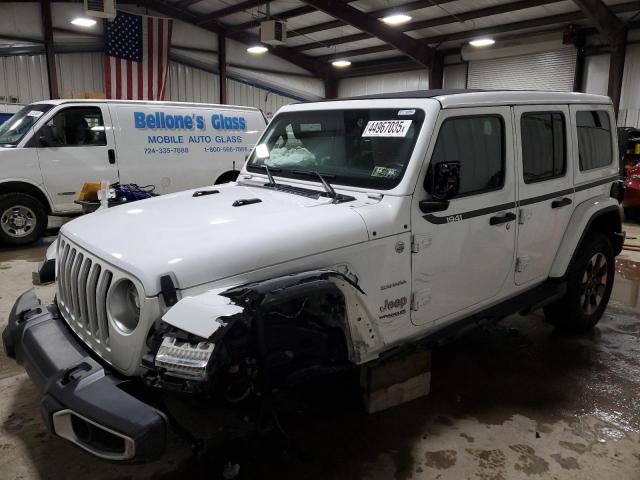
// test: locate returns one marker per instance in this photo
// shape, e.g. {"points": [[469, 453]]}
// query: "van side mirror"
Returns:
{"points": [[444, 180], [48, 136]]}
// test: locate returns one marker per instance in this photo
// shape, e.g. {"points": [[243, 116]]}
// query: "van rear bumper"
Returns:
{"points": [[81, 401]]}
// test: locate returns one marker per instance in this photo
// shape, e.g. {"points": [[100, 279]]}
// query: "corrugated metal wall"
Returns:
{"points": [[80, 72], [629, 115], [189, 84], [389, 82], [455, 76], [239, 93], [23, 79], [553, 70], [596, 74]]}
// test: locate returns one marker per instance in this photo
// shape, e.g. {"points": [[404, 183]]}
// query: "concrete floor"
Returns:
{"points": [[512, 401]]}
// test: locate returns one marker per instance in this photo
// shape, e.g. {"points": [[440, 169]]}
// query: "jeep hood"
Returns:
{"points": [[205, 238]]}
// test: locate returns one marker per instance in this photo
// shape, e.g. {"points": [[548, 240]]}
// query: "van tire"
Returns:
{"points": [[227, 177], [589, 284], [23, 219]]}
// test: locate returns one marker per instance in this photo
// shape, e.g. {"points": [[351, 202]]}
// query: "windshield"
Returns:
{"points": [[12, 131], [365, 147]]}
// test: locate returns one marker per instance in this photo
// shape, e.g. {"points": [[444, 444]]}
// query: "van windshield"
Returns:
{"points": [[14, 129], [363, 147]]}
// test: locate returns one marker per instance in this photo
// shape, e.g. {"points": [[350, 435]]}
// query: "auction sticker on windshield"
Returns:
{"points": [[387, 128]]}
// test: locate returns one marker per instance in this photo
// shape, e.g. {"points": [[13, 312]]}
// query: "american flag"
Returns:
{"points": [[136, 60]]}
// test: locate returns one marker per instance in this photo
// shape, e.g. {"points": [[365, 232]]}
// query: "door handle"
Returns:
{"points": [[111, 153], [504, 218], [562, 202]]}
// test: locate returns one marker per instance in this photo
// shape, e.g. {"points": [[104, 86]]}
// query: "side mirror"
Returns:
{"points": [[48, 136], [444, 180]]}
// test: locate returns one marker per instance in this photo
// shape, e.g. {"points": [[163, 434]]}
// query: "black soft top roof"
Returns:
{"points": [[411, 94]]}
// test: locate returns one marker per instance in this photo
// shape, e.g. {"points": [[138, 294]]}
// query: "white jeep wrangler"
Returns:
{"points": [[357, 227]]}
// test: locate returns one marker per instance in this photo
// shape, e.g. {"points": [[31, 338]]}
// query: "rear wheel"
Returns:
{"points": [[23, 219], [589, 284]]}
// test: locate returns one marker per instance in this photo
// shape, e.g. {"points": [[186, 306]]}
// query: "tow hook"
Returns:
{"points": [[75, 373]]}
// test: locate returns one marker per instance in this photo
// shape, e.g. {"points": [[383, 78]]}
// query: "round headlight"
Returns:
{"points": [[124, 306]]}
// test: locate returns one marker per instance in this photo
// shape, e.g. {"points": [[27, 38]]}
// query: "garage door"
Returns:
{"points": [[537, 71]]}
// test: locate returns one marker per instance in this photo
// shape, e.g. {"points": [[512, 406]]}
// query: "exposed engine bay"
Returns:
{"points": [[262, 337]]}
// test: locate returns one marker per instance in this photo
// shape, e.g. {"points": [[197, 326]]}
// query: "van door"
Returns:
{"points": [[545, 187], [463, 255], [75, 145]]}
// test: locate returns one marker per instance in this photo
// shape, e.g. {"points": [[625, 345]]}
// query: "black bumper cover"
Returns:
{"points": [[70, 379]]}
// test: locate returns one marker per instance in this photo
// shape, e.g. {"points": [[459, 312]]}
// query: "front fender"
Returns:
{"points": [[583, 216], [204, 314]]}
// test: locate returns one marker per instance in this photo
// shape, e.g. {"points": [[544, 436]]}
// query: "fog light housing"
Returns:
{"points": [[183, 359]]}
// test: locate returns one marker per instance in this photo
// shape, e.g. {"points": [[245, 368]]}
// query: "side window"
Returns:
{"points": [[77, 126], [594, 139], [477, 145], [543, 146]]}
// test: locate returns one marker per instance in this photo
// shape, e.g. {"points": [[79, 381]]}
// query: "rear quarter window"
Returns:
{"points": [[594, 139]]}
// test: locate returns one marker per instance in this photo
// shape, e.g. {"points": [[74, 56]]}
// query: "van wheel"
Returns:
{"points": [[589, 284], [227, 177], [23, 219]]}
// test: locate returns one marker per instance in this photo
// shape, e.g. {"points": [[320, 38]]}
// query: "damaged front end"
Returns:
{"points": [[254, 338]]}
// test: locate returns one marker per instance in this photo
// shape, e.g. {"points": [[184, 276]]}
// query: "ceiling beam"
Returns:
{"points": [[497, 29], [318, 68], [295, 12], [609, 25], [185, 3], [382, 12], [415, 49], [605, 21], [436, 22], [230, 10]]}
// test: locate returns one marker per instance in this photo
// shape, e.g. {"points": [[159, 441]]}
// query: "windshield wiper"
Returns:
{"points": [[331, 193], [272, 182]]}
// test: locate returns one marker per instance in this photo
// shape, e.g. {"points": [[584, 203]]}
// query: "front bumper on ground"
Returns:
{"points": [[81, 400]]}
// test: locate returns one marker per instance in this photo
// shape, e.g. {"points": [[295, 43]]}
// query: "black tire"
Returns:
{"points": [[23, 219], [227, 177], [589, 284]]}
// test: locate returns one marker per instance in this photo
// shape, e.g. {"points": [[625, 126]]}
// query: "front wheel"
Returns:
{"points": [[589, 284], [23, 219]]}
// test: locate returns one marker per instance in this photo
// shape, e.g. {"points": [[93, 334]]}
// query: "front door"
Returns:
{"points": [[545, 187], [76, 146], [464, 255]]}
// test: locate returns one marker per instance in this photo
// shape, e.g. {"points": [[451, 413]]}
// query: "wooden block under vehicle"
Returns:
{"points": [[396, 381]]}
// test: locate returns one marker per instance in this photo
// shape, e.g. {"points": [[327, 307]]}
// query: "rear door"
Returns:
{"points": [[545, 187], [81, 150]]}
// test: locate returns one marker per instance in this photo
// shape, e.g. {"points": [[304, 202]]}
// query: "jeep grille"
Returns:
{"points": [[83, 283]]}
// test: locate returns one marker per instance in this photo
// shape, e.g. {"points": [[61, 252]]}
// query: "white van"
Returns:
{"points": [[49, 149]]}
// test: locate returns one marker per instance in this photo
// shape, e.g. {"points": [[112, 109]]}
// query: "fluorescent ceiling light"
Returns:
{"points": [[482, 42], [341, 63], [397, 19], [257, 49], [83, 22]]}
